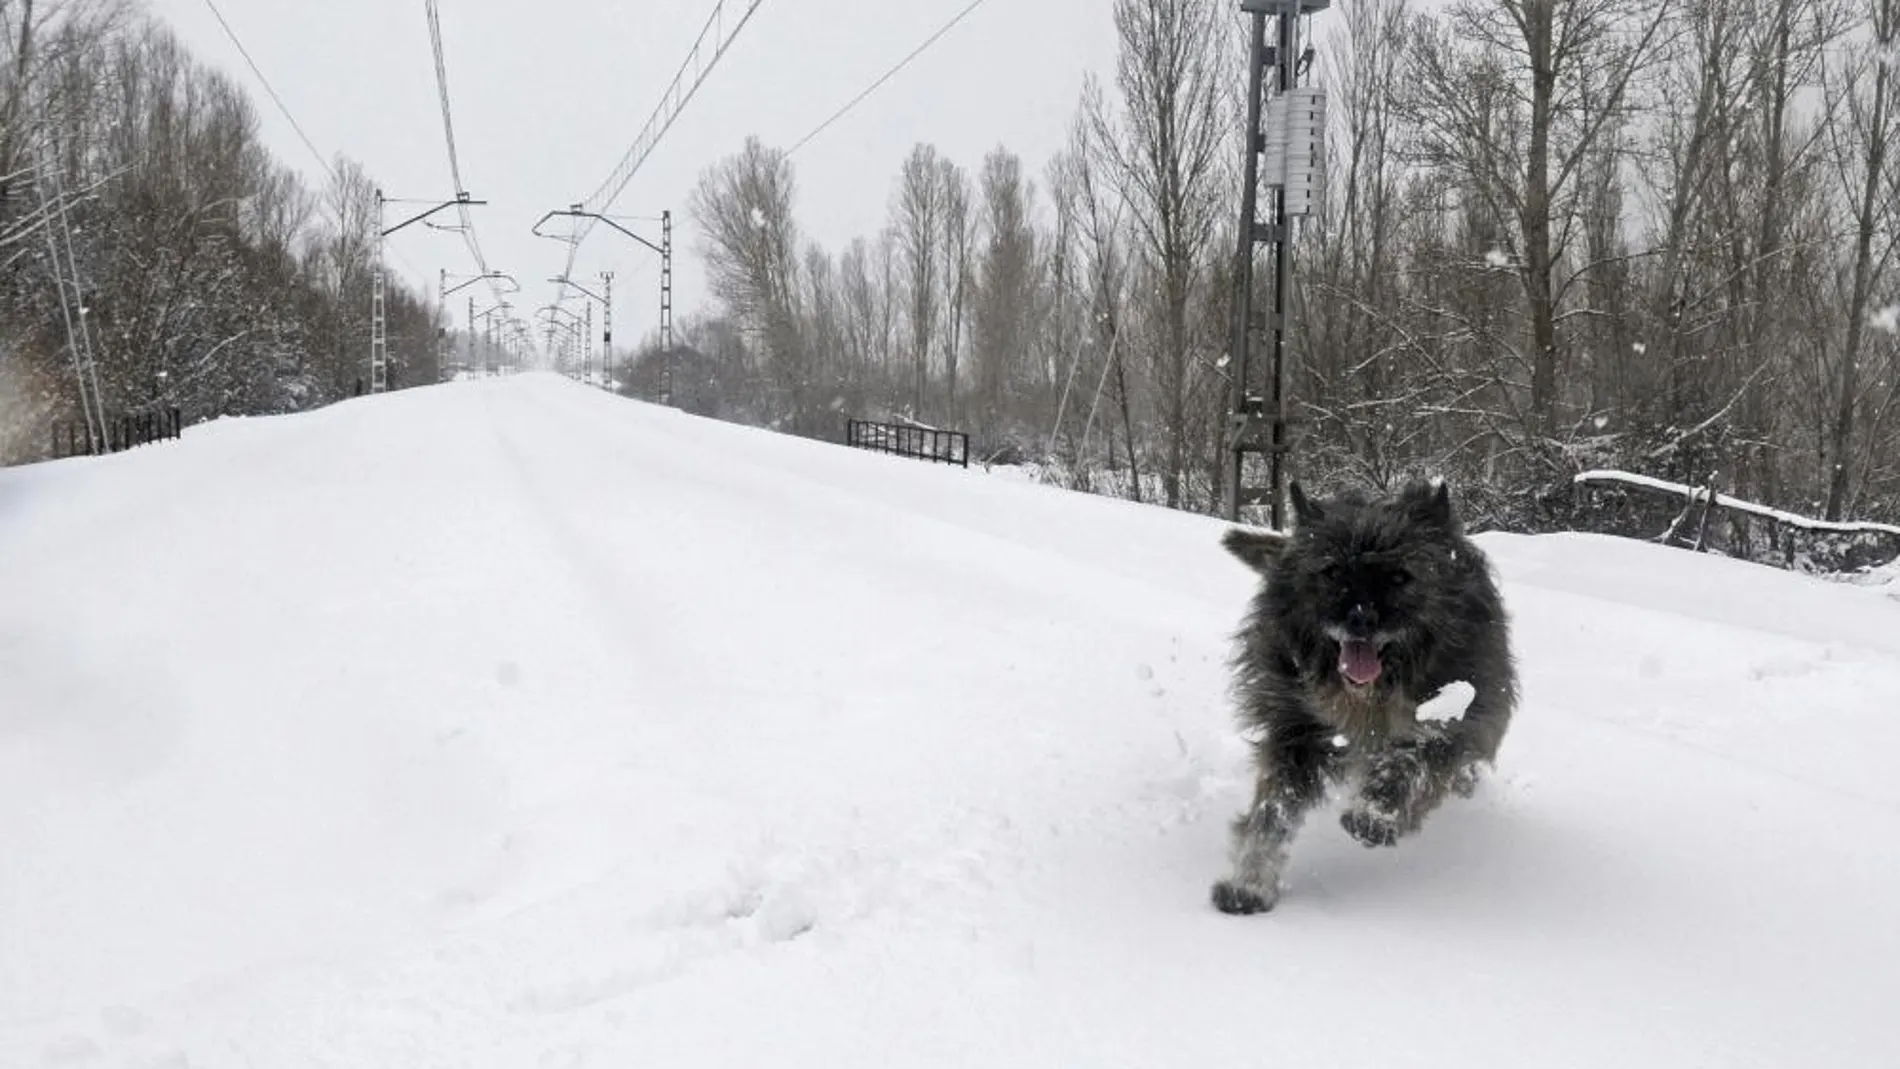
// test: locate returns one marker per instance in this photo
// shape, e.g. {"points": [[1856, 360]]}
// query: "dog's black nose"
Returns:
{"points": [[1360, 620]]}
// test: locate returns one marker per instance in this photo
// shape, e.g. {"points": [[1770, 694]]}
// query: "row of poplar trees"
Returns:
{"points": [[154, 255], [1555, 235]]}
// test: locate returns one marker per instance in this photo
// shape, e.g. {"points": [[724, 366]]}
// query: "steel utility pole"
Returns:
{"points": [[379, 281], [573, 325], [378, 328], [607, 328], [666, 307], [463, 282], [491, 331], [1286, 131], [665, 249], [605, 300]]}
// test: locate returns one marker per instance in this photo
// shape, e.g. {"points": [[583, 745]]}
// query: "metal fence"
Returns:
{"points": [[73, 438], [918, 443]]}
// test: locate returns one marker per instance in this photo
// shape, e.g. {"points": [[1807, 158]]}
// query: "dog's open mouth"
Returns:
{"points": [[1359, 662]]}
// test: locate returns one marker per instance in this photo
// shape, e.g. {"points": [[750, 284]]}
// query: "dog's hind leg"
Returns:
{"points": [[1292, 779]]}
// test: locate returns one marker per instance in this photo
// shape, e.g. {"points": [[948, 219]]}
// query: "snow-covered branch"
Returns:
{"points": [[1694, 495]]}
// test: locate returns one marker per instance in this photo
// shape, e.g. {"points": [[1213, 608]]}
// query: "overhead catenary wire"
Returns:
{"points": [[467, 226], [716, 35], [967, 11], [284, 109], [265, 82]]}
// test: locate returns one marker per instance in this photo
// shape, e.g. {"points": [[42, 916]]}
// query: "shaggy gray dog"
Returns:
{"points": [[1366, 610]]}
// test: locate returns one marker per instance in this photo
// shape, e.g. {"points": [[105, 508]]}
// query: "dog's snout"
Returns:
{"points": [[1360, 620]]}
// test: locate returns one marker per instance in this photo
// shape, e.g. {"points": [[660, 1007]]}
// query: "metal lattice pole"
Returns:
{"points": [[666, 307], [1284, 138], [378, 326], [607, 328]]}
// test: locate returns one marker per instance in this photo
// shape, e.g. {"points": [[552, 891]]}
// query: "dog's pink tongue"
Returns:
{"points": [[1358, 661]]}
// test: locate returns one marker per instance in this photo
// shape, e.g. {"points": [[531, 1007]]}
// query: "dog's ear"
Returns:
{"points": [[1304, 511], [1431, 502], [1257, 549]]}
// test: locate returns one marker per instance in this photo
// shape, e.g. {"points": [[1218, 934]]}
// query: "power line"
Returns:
{"points": [[455, 163], [242, 51], [715, 37], [889, 74], [442, 86]]}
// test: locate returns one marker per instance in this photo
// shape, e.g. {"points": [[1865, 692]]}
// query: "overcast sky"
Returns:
{"points": [[546, 103]]}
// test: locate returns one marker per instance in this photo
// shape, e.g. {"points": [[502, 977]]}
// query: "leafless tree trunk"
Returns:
{"points": [[1166, 150], [1865, 106], [743, 207], [918, 216], [1005, 292], [1571, 65], [959, 225]]}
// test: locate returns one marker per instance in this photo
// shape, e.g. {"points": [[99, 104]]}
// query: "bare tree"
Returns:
{"points": [[1353, 375], [1570, 65], [918, 214], [743, 207], [1166, 149], [1006, 296], [1099, 213], [959, 237], [1866, 127]]}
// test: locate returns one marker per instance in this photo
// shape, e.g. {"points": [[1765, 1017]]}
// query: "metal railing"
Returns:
{"points": [[72, 438], [918, 443]]}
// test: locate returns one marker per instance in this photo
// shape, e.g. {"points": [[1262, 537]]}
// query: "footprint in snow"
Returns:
{"points": [[71, 1050]]}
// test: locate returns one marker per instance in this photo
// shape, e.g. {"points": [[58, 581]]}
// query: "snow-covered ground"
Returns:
{"points": [[508, 724]]}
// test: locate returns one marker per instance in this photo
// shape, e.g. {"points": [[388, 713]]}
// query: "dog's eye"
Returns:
{"points": [[1400, 577], [1332, 571]]}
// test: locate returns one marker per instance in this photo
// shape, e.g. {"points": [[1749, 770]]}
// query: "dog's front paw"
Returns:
{"points": [[1370, 829], [1231, 898]]}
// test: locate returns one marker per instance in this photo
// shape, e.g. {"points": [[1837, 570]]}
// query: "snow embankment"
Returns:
{"points": [[509, 724]]}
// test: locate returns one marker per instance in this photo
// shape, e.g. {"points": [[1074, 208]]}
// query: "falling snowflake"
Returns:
{"points": [[1602, 422], [1498, 258], [1887, 319], [1639, 348]]}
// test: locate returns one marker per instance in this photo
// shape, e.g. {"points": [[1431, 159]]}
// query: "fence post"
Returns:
{"points": [[1708, 511]]}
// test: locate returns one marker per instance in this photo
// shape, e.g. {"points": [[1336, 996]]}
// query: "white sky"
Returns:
{"points": [[546, 104]]}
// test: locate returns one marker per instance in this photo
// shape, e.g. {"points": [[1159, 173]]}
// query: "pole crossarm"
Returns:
{"points": [[470, 280], [461, 200], [577, 212], [563, 280]]}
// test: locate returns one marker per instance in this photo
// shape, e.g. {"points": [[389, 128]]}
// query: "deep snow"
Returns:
{"points": [[511, 724]]}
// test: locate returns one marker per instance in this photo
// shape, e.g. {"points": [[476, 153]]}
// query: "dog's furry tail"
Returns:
{"points": [[1256, 547]]}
